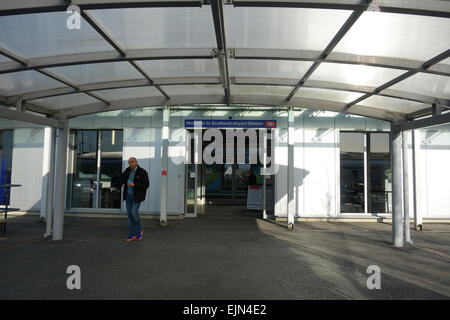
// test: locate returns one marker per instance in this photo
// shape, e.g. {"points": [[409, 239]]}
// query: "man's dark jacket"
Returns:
{"points": [[140, 181]]}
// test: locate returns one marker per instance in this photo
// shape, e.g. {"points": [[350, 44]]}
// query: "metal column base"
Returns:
{"points": [[163, 223]]}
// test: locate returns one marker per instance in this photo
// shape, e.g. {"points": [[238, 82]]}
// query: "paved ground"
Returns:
{"points": [[226, 255]]}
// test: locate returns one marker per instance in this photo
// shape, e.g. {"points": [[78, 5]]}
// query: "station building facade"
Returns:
{"points": [[341, 164]]}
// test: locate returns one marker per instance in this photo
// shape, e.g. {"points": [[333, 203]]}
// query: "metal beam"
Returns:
{"points": [[30, 118], [260, 100], [119, 84], [426, 122], [415, 7], [427, 64], [215, 80], [105, 56], [222, 53], [333, 43], [208, 53], [37, 6]]}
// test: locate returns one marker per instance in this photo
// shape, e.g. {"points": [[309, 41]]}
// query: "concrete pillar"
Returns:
{"points": [[60, 182], [406, 207], [290, 173], [164, 165], [264, 200], [50, 184], [397, 196]]}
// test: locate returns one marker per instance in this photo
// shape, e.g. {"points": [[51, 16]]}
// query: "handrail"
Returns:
{"points": [[6, 209]]}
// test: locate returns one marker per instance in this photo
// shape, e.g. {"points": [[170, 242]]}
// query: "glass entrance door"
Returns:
{"points": [[191, 190]]}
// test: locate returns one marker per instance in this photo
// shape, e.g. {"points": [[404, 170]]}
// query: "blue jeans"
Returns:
{"points": [[134, 223]]}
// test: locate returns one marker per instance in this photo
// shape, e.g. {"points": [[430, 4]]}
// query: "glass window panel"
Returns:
{"points": [[260, 90], [159, 27], [6, 149], [282, 28], [111, 168], [181, 68], [397, 35], [128, 93], [194, 90], [379, 174], [25, 81], [393, 104], [268, 68], [379, 143], [354, 74], [65, 101], [325, 94], [98, 72], [46, 34], [426, 84], [352, 172], [84, 177]]}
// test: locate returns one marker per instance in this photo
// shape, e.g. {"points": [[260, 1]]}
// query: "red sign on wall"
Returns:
{"points": [[164, 172]]}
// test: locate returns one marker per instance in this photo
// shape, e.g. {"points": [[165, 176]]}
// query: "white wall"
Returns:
{"points": [[27, 162], [433, 172]]}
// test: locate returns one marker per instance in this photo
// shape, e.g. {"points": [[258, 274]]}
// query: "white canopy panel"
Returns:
{"points": [[128, 93], [261, 90], [16, 83], [159, 27], [393, 104], [268, 68], [397, 35], [282, 28], [325, 94], [46, 34], [66, 101], [97, 72], [426, 84], [181, 68], [354, 74], [360, 57], [193, 90]]}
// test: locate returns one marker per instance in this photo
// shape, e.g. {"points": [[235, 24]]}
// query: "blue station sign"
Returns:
{"points": [[191, 123]]}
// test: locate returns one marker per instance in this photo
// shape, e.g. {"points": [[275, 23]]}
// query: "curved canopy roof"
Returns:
{"points": [[387, 59]]}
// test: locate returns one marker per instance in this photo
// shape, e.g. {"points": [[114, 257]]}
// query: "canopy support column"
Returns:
{"points": [[60, 182], [50, 185], [264, 206], [406, 226], [164, 165], [290, 173], [417, 213], [397, 196]]}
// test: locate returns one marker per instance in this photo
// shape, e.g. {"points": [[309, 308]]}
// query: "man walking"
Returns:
{"points": [[135, 183]]}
